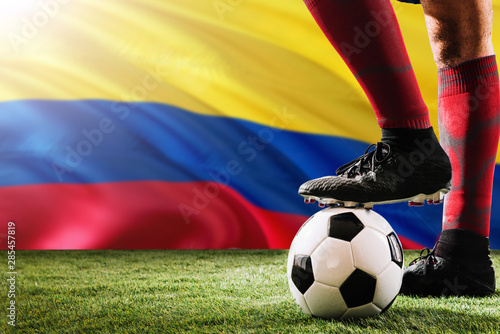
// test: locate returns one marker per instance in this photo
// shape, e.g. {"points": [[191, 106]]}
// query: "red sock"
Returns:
{"points": [[366, 34], [469, 124]]}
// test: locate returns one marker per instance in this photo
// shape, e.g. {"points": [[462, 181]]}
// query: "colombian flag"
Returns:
{"points": [[182, 123]]}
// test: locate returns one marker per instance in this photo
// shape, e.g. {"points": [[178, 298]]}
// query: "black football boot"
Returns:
{"points": [[407, 165], [459, 265]]}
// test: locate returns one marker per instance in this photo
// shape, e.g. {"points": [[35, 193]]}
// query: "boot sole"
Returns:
{"points": [[417, 200]]}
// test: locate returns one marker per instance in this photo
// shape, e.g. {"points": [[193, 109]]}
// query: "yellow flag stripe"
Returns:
{"points": [[236, 58]]}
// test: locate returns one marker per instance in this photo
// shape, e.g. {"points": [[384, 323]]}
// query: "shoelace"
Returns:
{"points": [[429, 258], [366, 162]]}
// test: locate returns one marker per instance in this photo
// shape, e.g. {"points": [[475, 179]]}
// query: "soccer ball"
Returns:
{"points": [[345, 263]]}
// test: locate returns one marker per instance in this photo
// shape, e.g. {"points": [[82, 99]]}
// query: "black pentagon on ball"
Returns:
{"points": [[344, 226], [396, 249], [358, 289], [302, 272]]}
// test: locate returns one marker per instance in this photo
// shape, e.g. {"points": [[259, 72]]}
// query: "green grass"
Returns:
{"points": [[231, 291]]}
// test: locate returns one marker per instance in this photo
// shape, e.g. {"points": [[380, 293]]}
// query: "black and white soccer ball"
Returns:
{"points": [[345, 263]]}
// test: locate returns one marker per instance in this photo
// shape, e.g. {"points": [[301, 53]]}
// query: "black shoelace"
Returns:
{"points": [[429, 258], [366, 162]]}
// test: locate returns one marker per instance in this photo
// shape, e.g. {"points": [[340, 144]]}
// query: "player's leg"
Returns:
{"points": [[366, 35], [469, 119], [459, 30], [409, 161]]}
